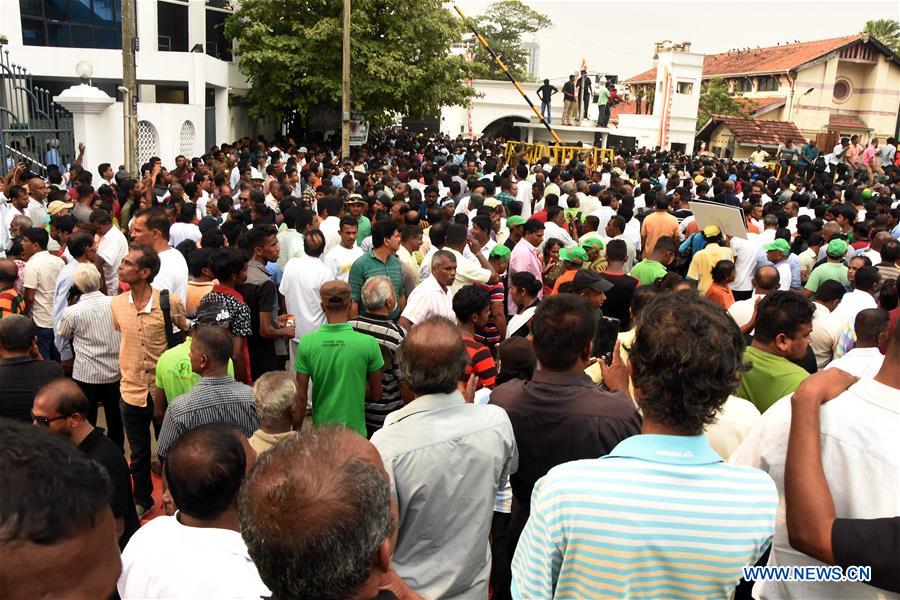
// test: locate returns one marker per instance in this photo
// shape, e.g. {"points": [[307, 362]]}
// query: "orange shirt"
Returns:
{"points": [[566, 277], [720, 295], [657, 225]]}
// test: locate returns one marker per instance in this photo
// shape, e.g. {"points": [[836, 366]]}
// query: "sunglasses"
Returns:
{"points": [[45, 421]]}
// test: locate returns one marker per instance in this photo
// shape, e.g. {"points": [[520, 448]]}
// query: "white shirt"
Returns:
{"points": [[179, 232], [428, 299], [734, 422], [589, 205], [604, 214], [851, 305], [826, 333], [552, 230], [331, 229], [165, 559], [745, 252], [37, 213], [467, 271], [291, 243], [860, 454], [742, 310], [112, 249], [300, 283], [340, 259], [860, 362], [41, 272], [784, 275], [173, 274]]}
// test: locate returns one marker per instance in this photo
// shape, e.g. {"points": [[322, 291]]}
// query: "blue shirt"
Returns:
{"points": [[659, 516]]}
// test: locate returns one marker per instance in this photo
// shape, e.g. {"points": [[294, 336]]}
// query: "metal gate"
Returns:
{"points": [[33, 128]]}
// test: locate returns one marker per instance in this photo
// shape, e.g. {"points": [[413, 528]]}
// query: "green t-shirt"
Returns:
{"points": [[338, 360], [771, 378], [826, 271], [364, 229], [173, 371], [648, 271]]}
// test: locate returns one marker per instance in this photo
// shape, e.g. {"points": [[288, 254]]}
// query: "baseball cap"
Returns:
{"points": [[592, 241], [335, 293], [585, 279], [836, 248], [780, 245], [354, 199], [208, 223], [500, 251], [699, 179], [210, 312], [514, 220], [57, 205], [573, 254], [516, 353], [594, 188], [711, 231], [491, 202]]}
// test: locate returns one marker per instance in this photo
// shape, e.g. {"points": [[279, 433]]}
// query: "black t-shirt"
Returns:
{"points": [[569, 90], [545, 92], [20, 378], [262, 297], [101, 449], [869, 542], [618, 300]]}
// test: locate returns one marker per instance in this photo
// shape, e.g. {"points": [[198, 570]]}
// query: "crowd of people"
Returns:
{"points": [[432, 370]]}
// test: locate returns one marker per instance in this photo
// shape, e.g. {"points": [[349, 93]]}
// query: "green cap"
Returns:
{"points": [[780, 245], [595, 242], [514, 220], [836, 248], [573, 254], [500, 251]]}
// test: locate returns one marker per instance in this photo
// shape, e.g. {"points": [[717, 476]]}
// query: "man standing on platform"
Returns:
{"points": [[545, 93], [570, 109], [585, 90]]}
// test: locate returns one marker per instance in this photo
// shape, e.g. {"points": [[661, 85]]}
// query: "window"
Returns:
{"points": [[842, 90], [217, 45], [72, 23], [172, 26], [767, 84], [684, 87], [742, 85]]}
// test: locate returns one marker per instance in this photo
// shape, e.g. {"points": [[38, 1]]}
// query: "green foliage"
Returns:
{"points": [[715, 99], [503, 25], [886, 31], [400, 61]]}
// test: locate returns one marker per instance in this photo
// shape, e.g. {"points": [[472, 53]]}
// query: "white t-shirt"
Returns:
{"points": [[112, 249], [429, 300], [300, 283], [331, 229], [40, 275], [183, 231], [860, 362], [467, 271], [340, 259], [165, 559], [173, 274]]}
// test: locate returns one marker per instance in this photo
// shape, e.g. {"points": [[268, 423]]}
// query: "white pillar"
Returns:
{"points": [[90, 108], [224, 132], [196, 23]]}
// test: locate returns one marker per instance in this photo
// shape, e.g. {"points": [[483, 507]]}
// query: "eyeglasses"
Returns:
{"points": [[45, 421]]}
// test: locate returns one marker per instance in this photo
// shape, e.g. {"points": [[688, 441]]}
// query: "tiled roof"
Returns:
{"points": [[624, 108], [758, 131], [774, 59], [846, 122], [757, 105]]}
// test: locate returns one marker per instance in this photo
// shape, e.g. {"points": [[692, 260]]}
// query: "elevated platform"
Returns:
{"points": [[587, 134]]}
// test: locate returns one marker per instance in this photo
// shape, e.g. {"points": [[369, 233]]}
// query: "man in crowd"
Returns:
{"points": [[217, 397], [140, 321], [62, 407], [339, 363], [475, 270], [433, 297], [657, 225], [783, 325], [765, 282], [60, 513], [151, 228], [524, 256], [440, 446], [112, 248], [11, 301], [204, 555], [342, 256], [303, 277], [826, 329], [865, 358], [570, 107], [702, 263], [582, 509], [82, 249], [22, 370], [618, 297], [334, 500], [649, 270], [560, 415], [834, 268], [273, 399], [379, 299], [381, 260], [41, 272]]}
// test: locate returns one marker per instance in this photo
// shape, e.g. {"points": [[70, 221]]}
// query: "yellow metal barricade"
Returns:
{"points": [[558, 155]]}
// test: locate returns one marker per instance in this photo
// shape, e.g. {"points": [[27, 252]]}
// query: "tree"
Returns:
{"points": [[503, 25], [886, 31], [400, 56], [715, 99]]}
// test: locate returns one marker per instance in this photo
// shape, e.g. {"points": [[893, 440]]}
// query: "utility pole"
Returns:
{"points": [[345, 85], [129, 81]]}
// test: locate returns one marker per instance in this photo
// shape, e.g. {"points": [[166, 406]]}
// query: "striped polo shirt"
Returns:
{"points": [[369, 265], [660, 516]]}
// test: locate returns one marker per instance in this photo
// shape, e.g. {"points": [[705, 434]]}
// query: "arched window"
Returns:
{"points": [[767, 84]]}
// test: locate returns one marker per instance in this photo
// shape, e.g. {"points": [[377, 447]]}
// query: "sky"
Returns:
{"points": [[618, 37]]}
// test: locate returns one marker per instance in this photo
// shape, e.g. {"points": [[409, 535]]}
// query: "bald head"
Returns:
{"points": [[433, 357], [63, 396], [766, 279], [878, 241], [9, 272], [315, 512]]}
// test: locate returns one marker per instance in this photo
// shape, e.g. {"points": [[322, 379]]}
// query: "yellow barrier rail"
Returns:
{"points": [[558, 155]]}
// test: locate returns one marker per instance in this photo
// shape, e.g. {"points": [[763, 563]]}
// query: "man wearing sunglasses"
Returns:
{"points": [[62, 407], [22, 370]]}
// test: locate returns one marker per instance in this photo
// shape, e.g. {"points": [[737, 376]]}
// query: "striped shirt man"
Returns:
{"points": [[218, 399], [389, 336], [89, 324], [481, 363], [659, 516]]}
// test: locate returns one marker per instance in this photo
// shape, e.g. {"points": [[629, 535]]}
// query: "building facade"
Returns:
{"points": [[189, 85], [827, 88]]}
